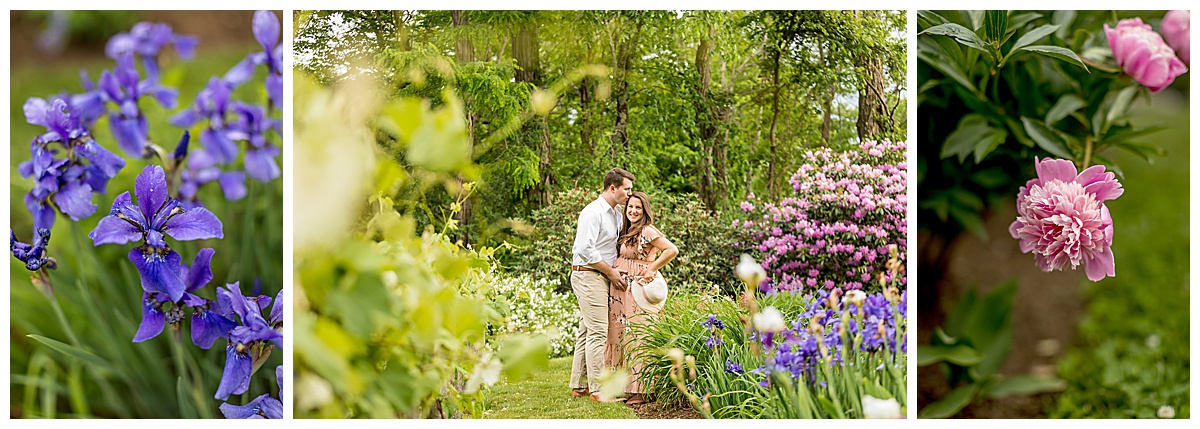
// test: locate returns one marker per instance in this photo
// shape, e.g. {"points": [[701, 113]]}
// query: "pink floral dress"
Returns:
{"points": [[632, 264]]}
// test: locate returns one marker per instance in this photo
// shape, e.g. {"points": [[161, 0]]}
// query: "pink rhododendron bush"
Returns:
{"points": [[839, 227]]}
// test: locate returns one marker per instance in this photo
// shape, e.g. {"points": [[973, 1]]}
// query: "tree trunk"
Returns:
{"points": [[464, 52], [623, 53], [873, 118], [708, 115], [771, 188], [402, 42], [525, 52], [587, 88]]}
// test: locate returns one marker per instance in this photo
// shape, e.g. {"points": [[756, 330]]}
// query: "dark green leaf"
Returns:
{"points": [[1119, 106], [1143, 150], [961, 34], [72, 351], [1065, 105], [1019, 20], [1057, 52], [1046, 138], [1063, 19], [970, 220], [995, 24], [950, 404], [947, 68], [973, 131], [959, 355], [1032, 36]]}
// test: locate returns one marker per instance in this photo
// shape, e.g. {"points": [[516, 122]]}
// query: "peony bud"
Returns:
{"points": [[1176, 28], [1143, 54]]}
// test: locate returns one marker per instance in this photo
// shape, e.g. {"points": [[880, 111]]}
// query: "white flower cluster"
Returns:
{"points": [[535, 308]]}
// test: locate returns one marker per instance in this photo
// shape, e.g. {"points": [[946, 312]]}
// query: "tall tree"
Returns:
{"points": [[464, 52]]}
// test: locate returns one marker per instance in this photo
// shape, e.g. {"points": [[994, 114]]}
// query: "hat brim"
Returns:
{"points": [[639, 296]]}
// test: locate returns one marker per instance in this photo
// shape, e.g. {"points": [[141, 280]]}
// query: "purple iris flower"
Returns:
{"points": [[732, 367], [146, 40], [155, 214], [252, 126], [212, 103], [64, 183], [33, 255], [122, 87], [207, 324], [249, 342], [713, 322], [262, 407], [266, 32], [201, 169]]}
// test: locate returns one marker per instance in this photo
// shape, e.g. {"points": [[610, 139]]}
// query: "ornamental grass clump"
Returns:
{"points": [[836, 229]]}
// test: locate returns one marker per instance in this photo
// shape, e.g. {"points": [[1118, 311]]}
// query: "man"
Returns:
{"points": [[593, 254]]}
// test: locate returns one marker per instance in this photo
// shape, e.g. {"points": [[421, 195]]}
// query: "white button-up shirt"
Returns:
{"points": [[596, 234]]}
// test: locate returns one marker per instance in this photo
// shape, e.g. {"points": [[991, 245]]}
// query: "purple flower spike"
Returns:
{"points": [[266, 29]]}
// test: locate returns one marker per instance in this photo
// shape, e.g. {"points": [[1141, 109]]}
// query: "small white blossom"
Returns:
{"points": [[750, 271], [875, 408], [1166, 412], [769, 320]]}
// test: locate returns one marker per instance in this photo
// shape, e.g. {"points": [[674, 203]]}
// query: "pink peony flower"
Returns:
{"points": [[1176, 27], [1143, 55], [1062, 219]]}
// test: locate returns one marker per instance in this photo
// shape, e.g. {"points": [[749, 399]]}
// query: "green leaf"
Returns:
{"points": [[970, 220], [1065, 105], [973, 133], [523, 354], [995, 24], [1057, 52], [1119, 107], [1063, 19], [959, 355], [947, 68], [1046, 138], [950, 404], [75, 352], [1032, 36], [1024, 385], [940, 337], [1019, 20], [962, 35], [1121, 133], [1143, 150]]}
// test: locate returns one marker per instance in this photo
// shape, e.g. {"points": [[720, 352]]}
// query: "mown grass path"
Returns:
{"points": [[545, 395]]}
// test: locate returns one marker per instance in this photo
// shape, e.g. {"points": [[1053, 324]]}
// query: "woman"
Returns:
{"points": [[642, 251]]}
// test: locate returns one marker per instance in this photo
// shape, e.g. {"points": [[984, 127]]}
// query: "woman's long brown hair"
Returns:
{"points": [[631, 232]]}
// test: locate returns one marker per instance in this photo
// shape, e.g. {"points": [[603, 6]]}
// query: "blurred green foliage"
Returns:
{"points": [[1133, 352], [71, 354], [391, 322]]}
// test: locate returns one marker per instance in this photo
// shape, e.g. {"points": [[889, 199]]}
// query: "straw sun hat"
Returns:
{"points": [[651, 296]]}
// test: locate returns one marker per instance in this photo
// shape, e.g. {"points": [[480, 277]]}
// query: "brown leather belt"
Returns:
{"points": [[579, 268]]}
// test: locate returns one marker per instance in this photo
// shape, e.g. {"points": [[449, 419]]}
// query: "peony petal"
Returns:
{"points": [[1055, 169], [1100, 265]]}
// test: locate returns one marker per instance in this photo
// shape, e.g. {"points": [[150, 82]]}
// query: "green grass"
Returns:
{"points": [[546, 396], [1115, 370]]}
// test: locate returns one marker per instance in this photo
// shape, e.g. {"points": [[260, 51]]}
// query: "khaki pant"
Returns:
{"points": [[591, 290]]}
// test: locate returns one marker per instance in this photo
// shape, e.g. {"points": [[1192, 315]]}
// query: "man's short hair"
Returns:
{"points": [[615, 177]]}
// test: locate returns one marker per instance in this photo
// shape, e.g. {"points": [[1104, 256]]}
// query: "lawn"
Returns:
{"points": [[546, 396]]}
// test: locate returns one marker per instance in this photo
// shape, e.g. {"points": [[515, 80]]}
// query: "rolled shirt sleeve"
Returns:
{"points": [[586, 232]]}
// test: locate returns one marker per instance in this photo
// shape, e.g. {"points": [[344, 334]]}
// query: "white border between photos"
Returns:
{"points": [[288, 198]]}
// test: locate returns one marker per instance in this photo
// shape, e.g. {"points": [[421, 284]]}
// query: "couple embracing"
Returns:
{"points": [[614, 273]]}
